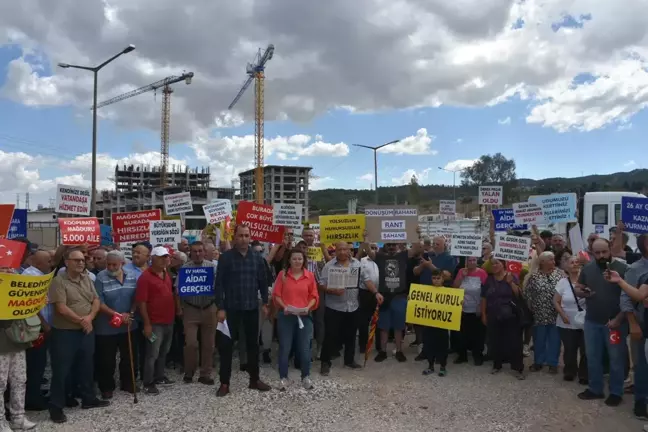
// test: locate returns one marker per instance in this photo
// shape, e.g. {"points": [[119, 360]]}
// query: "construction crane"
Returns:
{"points": [[165, 85], [256, 71]]}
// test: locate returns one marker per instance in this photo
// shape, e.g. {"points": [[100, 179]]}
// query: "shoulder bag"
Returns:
{"points": [[579, 318]]}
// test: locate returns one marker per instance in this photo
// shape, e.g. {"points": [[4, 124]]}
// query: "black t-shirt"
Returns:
{"points": [[393, 271]]}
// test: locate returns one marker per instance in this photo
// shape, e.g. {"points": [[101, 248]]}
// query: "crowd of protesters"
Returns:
{"points": [[102, 308]]}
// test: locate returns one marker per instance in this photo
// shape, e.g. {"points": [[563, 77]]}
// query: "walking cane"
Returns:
{"points": [[132, 364]]}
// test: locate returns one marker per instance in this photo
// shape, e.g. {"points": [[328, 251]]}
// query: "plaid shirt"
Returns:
{"points": [[239, 280]]}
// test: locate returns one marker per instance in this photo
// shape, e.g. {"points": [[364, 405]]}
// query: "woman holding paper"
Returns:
{"points": [[295, 294]]}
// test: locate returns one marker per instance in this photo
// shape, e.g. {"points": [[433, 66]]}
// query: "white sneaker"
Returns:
{"points": [[526, 351], [4, 427], [23, 425], [283, 384], [307, 383]]}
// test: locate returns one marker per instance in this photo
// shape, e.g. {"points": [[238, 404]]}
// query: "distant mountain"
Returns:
{"points": [[328, 201]]}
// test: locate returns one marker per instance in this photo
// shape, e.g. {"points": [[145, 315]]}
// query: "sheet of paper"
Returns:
{"points": [[224, 328], [343, 277], [295, 310]]}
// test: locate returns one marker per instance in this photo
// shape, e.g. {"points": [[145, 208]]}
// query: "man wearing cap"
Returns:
{"points": [[154, 297]]}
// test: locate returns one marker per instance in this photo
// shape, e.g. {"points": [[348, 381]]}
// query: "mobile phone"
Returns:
{"points": [[153, 338]]}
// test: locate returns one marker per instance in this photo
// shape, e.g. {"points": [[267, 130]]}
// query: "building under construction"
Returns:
{"points": [[137, 187], [282, 184]]}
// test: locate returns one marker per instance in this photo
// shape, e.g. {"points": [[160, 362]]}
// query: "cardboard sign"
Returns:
{"points": [[18, 226], [195, 281], [438, 307], [557, 208], [80, 231], [23, 296], [73, 200], [466, 245], [392, 224], [258, 217], [6, 216], [491, 195], [505, 221], [127, 249], [448, 207], [165, 232], [217, 211], [348, 228], [314, 253], [512, 248], [634, 214], [178, 203], [527, 213], [289, 215], [133, 226]]}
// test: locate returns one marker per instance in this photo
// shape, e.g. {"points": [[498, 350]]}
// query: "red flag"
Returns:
{"points": [[6, 214], [11, 253]]}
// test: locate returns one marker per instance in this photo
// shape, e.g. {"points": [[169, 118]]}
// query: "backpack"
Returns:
{"points": [[25, 330]]}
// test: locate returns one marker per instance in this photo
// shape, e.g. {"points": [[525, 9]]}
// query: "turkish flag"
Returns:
{"points": [[11, 253], [514, 267]]}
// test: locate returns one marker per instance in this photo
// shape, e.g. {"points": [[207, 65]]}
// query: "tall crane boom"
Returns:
{"points": [[165, 85], [256, 71]]}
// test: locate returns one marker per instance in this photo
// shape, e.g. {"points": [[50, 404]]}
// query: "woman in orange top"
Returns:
{"points": [[295, 295]]}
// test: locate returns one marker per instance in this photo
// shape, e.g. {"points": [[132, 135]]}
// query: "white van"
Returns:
{"points": [[601, 211]]}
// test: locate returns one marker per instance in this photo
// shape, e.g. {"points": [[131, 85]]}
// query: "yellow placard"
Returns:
{"points": [[230, 235], [348, 228], [435, 306], [22, 296], [315, 254]]}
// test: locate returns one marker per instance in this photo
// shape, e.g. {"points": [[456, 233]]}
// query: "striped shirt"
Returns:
{"points": [[349, 301], [117, 296], [199, 301]]}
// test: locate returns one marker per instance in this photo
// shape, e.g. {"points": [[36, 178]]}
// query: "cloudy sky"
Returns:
{"points": [[559, 85]]}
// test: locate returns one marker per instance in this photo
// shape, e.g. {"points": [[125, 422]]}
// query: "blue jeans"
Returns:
{"points": [[72, 354], [288, 328], [546, 345], [597, 336], [640, 372]]}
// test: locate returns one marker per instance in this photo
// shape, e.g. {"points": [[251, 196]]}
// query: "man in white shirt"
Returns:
{"points": [[367, 300]]}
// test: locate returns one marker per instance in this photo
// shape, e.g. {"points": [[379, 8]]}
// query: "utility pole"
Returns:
{"points": [[27, 201], [375, 150], [18, 200], [454, 178]]}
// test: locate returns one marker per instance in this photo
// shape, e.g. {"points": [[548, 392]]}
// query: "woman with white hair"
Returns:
{"points": [[116, 290], [539, 294]]}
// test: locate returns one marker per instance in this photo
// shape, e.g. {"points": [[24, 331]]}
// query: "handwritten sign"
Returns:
{"points": [[217, 211], [557, 207], [289, 215], [178, 203], [527, 213], [512, 248], [165, 232], [491, 195], [448, 207], [314, 254], [466, 245]]}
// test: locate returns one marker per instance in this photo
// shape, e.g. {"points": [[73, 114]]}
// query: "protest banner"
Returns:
{"points": [[165, 232], [6, 216], [392, 224], [314, 253], [73, 200], [527, 213], [178, 203], [466, 245], [133, 226], [106, 235], [258, 217], [217, 211], [438, 307], [505, 221], [80, 231], [448, 207], [22, 296], [634, 214], [348, 228], [289, 215], [557, 208], [491, 195], [127, 249], [343, 278], [576, 239], [18, 226], [512, 248], [194, 281]]}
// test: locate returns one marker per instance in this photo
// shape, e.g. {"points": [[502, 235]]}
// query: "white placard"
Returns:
{"points": [[218, 210], [512, 248], [388, 236], [73, 200], [576, 239], [491, 195], [165, 232], [289, 215], [178, 203], [466, 245], [527, 213], [343, 277], [393, 225], [448, 207], [127, 249]]}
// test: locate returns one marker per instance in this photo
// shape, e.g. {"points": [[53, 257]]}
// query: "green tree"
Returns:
{"points": [[414, 195], [492, 170]]}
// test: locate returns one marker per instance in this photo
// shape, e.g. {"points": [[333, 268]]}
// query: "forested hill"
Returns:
{"points": [[329, 200]]}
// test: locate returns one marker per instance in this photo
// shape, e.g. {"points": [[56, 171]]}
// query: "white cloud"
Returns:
{"points": [[459, 164], [406, 178], [432, 53], [629, 164], [418, 144], [366, 177], [459, 140], [317, 183], [505, 121]]}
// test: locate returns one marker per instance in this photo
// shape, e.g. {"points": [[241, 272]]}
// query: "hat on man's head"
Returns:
{"points": [[159, 251]]}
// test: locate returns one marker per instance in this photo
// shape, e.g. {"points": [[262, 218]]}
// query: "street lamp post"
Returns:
{"points": [[95, 70], [375, 152], [454, 177]]}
